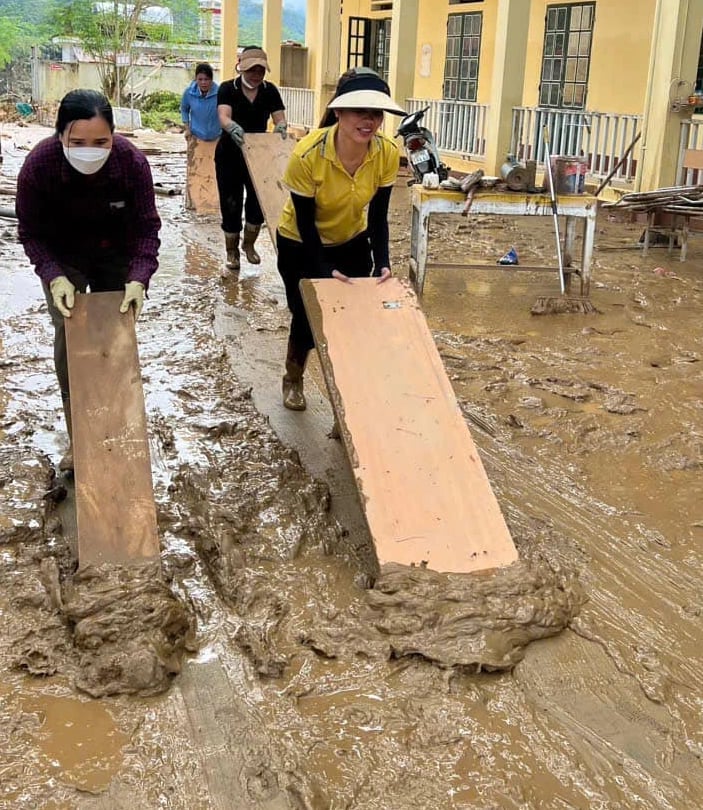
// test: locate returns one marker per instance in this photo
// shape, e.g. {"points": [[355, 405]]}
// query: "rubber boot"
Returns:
{"points": [[66, 463], [293, 396], [250, 234], [232, 246]]}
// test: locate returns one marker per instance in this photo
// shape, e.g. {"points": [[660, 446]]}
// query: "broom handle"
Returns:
{"points": [[553, 198]]}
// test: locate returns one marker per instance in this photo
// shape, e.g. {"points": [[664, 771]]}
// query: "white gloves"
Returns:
{"points": [[236, 133], [133, 294], [63, 294], [282, 129]]}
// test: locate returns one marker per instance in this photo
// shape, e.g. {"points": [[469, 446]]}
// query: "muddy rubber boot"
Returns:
{"points": [[232, 246], [66, 463], [251, 232], [293, 396]]}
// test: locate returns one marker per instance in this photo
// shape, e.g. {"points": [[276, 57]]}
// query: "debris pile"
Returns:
{"points": [[675, 200]]}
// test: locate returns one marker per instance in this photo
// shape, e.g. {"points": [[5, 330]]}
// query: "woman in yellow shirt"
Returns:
{"points": [[335, 223]]}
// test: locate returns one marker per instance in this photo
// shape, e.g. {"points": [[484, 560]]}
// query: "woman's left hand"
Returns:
{"points": [[133, 297], [385, 274]]}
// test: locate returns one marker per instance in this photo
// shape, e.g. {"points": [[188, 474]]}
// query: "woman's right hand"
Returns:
{"points": [[63, 295], [341, 277]]}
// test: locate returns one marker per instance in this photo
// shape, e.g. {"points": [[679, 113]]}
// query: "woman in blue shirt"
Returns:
{"points": [[199, 106], [202, 131]]}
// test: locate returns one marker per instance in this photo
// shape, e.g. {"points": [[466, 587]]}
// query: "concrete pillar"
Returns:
{"points": [[402, 58], [508, 79], [311, 15], [676, 38], [323, 38], [229, 41], [272, 28]]}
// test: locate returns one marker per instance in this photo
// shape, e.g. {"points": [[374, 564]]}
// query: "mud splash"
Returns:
{"points": [[112, 630], [129, 629], [479, 622]]}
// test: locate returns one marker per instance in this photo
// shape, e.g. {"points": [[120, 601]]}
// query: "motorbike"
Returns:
{"points": [[420, 147]]}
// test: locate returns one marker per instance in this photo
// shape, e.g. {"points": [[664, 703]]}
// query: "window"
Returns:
{"points": [[568, 33], [369, 44], [463, 51]]}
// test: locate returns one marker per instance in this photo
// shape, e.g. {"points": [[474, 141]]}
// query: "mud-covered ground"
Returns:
{"points": [[271, 667]]}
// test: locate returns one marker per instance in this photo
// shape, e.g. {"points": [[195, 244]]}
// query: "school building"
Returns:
{"points": [[616, 81]]}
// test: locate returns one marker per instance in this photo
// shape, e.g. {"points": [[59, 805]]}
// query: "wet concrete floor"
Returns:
{"points": [[307, 689]]}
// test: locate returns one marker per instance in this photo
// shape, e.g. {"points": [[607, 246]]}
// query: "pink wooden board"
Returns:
{"points": [[423, 487]]}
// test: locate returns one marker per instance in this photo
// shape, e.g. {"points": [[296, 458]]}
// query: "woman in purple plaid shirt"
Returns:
{"points": [[87, 218]]}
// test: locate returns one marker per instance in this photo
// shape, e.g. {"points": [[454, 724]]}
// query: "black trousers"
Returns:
{"points": [[352, 258], [232, 179]]}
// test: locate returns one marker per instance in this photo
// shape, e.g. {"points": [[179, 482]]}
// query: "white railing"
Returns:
{"points": [[690, 137], [300, 106], [602, 138], [458, 126]]}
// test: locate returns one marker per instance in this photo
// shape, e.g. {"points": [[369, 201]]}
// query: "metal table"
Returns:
{"points": [[512, 204]]}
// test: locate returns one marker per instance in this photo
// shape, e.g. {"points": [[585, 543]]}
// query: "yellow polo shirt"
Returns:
{"points": [[341, 201]]}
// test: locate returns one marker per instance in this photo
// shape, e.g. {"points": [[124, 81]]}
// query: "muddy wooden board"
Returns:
{"points": [[423, 487], [115, 512], [267, 156], [201, 183]]}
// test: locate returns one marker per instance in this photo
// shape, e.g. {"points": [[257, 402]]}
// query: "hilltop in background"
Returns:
{"points": [[251, 17], [29, 22]]}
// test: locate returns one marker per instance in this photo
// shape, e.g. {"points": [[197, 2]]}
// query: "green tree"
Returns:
{"points": [[186, 20], [106, 35], [108, 30], [10, 36], [20, 26]]}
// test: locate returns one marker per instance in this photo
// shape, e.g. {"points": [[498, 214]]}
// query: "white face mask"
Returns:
{"points": [[247, 84], [86, 159]]}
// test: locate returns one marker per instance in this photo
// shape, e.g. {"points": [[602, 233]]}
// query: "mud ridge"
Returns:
{"points": [[480, 622], [258, 520]]}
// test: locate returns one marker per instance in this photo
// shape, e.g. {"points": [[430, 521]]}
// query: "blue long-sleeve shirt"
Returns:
{"points": [[200, 112]]}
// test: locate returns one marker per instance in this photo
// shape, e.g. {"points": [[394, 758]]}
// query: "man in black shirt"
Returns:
{"points": [[244, 105]]}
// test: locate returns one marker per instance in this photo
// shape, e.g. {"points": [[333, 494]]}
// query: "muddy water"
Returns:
{"points": [[309, 690]]}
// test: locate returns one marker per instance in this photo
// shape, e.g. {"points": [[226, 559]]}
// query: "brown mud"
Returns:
{"points": [[315, 682]]}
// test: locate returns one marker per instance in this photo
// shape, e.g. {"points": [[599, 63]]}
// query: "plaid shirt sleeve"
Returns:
{"points": [[145, 249], [33, 209]]}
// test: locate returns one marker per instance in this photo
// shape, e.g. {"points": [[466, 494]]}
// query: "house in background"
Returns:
{"points": [[496, 73]]}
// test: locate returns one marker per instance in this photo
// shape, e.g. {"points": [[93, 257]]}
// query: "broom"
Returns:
{"points": [[563, 303]]}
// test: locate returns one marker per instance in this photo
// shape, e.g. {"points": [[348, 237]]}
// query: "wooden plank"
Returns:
{"points": [[423, 487], [693, 159], [115, 512], [231, 747], [201, 183], [267, 156]]}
